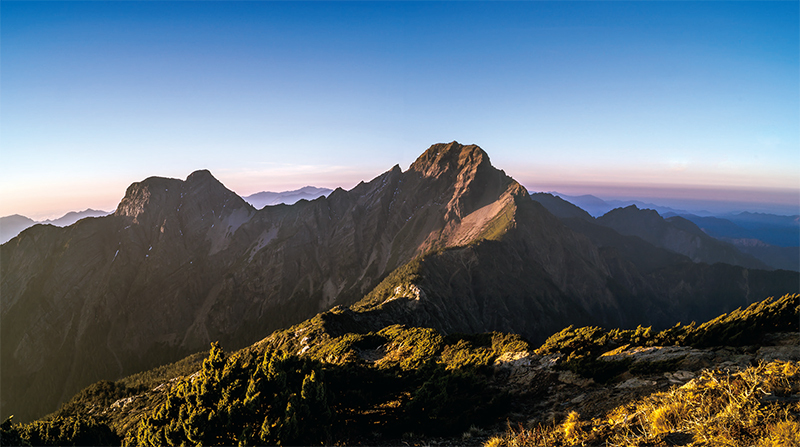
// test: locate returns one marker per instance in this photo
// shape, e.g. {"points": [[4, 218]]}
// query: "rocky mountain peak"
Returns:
{"points": [[632, 213], [451, 157], [200, 192], [205, 187], [153, 191], [467, 176], [201, 175]]}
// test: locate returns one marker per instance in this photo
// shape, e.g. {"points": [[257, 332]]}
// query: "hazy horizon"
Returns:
{"points": [[673, 100], [714, 201]]}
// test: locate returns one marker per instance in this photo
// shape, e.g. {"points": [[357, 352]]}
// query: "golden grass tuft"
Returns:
{"points": [[573, 428], [494, 442], [716, 409], [668, 417], [781, 434]]}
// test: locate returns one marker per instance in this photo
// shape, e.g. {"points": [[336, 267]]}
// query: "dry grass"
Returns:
{"points": [[758, 406], [781, 434]]}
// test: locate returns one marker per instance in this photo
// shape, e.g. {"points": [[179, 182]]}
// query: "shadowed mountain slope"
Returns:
{"points": [[771, 239], [560, 207], [332, 380], [787, 258], [676, 234]]}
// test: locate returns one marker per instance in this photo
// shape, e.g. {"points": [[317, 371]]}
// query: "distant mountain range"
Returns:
{"points": [[773, 239], [267, 198], [453, 244], [770, 240], [598, 207], [782, 231], [10, 226]]}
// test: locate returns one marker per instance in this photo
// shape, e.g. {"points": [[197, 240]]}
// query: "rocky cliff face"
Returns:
{"points": [[183, 263]]}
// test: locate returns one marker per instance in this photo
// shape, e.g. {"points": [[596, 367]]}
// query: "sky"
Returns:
{"points": [[693, 100]]}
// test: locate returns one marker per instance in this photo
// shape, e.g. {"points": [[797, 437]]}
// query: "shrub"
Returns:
{"points": [[410, 347], [68, 431], [281, 399], [748, 326], [449, 402]]}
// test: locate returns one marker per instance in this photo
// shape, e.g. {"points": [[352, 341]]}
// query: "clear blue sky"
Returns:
{"points": [[701, 98]]}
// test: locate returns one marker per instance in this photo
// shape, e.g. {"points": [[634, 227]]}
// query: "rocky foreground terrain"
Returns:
{"points": [[734, 380]]}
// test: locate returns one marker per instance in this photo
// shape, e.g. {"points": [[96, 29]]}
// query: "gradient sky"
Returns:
{"points": [[698, 100]]}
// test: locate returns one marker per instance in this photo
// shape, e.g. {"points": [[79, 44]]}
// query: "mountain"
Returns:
{"points": [[266, 198], [676, 234], [11, 226], [787, 258], [781, 231], [560, 207], [452, 244], [74, 216], [764, 220], [772, 239], [639, 204], [593, 205], [597, 206]]}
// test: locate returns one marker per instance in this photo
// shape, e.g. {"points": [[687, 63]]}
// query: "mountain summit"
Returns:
{"points": [[441, 159], [452, 243]]}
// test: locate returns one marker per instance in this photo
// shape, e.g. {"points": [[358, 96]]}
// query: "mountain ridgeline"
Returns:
{"points": [[10, 226], [268, 198], [452, 243]]}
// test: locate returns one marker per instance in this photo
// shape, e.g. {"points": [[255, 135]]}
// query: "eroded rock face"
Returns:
{"points": [[769, 353], [652, 354], [519, 371]]}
